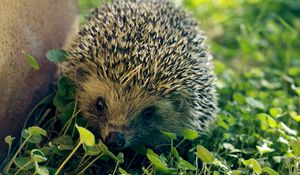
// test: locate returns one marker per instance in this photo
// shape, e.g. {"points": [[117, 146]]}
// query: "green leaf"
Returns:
{"points": [[120, 157], [216, 173], [204, 155], [86, 136], [228, 146], [66, 88], [64, 139], [35, 130], [264, 149], [42, 170], [21, 161], [123, 172], [271, 122], [25, 134], [67, 112], [269, 171], [255, 103], [91, 150], [175, 152], [287, 129], [59, 102], [252, 163], [294, 71], [249, 151], [65, 147], [35, 134], [263, 120], [55, 150], [295, 116], [190, 134], [156, 161], [237, 172], [31, 61], [186, 164], [239, 98], [63, 142], [219, 163], [9, 140], [222, 123], [35, 139], [169, 134], [275, 112], [46, 150], [57, 55], [295, 147], [103, 148], [37, 155], [296, 89]]}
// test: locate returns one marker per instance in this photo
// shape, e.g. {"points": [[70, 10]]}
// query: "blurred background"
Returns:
{"points": [[244, 32]]}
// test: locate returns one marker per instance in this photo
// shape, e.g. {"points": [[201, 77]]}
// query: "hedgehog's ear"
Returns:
{"points": [[82, 72]]}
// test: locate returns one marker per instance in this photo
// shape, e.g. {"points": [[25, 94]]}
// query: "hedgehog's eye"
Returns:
{"points": [[148, 112], [100, 104]]}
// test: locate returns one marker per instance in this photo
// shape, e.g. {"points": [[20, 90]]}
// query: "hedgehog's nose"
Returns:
{"points": [[115, 139]]}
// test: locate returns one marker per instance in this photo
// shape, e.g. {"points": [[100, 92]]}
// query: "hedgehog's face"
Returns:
{"points": [[126, 118]]}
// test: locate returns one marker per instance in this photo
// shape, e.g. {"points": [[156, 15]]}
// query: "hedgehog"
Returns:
{"points": [[142, 67]]}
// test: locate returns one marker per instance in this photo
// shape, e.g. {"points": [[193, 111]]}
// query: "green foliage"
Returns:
{"points": [[57, 55], [190, 134], [256, 49], [156, 161], [32, 62], [86, 136], [204, 154]]}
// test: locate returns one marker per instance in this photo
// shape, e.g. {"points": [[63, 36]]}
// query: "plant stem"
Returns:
{"points": [[43, 117], [203, 165], [68, 158], [115, 168], [22, 167], [74, 114], [83, 162], [170, 153], [180, 143], [196, 163], [148, 167], [14, 157], [94, 160], [205, 169], [68, 124], [33, 110], [295, 166], [82, 159], [131, 161], [8, 152], [36, 167]]}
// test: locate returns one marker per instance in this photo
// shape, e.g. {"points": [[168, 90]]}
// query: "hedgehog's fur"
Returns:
{"points": [[143, 54]]}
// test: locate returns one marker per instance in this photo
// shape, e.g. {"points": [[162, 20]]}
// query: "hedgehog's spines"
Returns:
{"points": [[151, 45]]}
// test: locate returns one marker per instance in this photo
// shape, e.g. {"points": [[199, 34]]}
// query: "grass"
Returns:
{"points": [[256, 49]]}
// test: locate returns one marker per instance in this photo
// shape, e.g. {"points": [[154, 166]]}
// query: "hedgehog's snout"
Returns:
{"points": [[116, 140]]}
